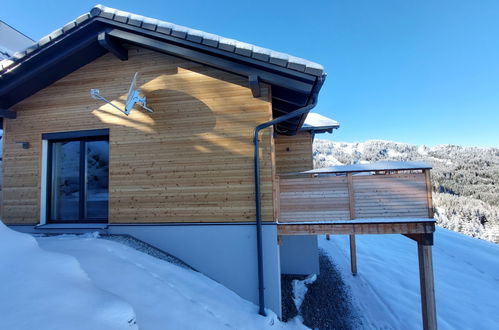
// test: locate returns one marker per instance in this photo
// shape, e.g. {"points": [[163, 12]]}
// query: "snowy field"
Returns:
{"points": [[81, 282], [385, 293]]}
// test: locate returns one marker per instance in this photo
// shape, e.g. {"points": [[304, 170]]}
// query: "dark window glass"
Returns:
{"points": [[97, 179], [79, 182], [65, 180]]}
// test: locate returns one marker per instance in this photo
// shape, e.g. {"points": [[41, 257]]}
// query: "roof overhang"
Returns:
{"points": [[63, 52], [316, 123]]}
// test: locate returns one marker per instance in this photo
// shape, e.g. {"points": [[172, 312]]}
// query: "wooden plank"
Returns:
{"points": [[372, 193], [406, 202], [391, 175], [427, 287], [312, 180]]}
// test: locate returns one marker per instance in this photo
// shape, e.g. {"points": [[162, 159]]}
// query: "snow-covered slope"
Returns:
{"points": [[164, 295], [385, 292], [47, 290], [83, 282]]}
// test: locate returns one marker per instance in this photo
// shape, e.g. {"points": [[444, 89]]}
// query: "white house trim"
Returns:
{"points": [[43, 184]]}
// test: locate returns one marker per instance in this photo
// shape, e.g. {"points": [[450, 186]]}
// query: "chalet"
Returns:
{"points": [[219, 174]]}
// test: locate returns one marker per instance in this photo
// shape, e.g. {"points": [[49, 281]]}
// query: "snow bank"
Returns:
{"points": [[46, 290], [164, 295], [386, 290]]}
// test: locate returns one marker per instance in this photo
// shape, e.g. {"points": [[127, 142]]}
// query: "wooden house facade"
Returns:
{"points": [[185, 177]]}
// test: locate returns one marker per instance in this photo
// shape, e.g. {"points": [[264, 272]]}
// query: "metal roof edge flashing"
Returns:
{"points": [[44, 43]]}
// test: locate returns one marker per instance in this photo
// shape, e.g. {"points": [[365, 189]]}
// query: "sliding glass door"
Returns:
{"points": [[79, 180]]}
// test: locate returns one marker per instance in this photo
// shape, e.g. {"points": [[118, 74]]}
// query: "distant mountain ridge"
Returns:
{"points": [[465, 179]]}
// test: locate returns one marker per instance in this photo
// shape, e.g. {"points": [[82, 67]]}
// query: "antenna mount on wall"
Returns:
{"points": [[133, 97]]}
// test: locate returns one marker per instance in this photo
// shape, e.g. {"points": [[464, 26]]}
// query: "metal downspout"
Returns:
{"points": [[312, 103]]}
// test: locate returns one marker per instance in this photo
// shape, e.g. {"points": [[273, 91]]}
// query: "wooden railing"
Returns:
{"points": [[355, 195]]}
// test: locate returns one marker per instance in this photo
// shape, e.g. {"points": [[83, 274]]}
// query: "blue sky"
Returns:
{"points": [[422, 72]]}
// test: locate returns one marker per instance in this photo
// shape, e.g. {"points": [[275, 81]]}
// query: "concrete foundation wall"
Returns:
{"points": [[299, 255], [225, 253]]}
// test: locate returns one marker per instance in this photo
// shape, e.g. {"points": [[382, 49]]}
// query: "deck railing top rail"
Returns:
{"points": [[369, 167]]}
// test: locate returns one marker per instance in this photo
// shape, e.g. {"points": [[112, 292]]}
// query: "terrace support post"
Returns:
{"points": [[426, 281], [351, 206], [353, 255]]}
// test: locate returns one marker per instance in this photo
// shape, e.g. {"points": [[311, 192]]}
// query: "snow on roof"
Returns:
{"points": [[317, 122], [377, 166], [178, 31]]}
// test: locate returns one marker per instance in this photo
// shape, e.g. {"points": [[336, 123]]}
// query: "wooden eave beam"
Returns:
{"points": [[424, 239], [254, 85], [8, 114], [112, 46]]}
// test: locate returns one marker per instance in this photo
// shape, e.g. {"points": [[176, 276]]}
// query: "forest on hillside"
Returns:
{"points": [[465, 179]]}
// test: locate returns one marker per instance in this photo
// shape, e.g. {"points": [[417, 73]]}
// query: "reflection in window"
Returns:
{"points": [[79, 180]]}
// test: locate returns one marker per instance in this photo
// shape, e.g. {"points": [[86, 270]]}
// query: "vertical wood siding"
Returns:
{"points": [[189, 161]]}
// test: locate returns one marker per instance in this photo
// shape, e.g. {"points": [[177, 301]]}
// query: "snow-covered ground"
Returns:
{"points": [[83, 282], [46, 290], [385, 292]]}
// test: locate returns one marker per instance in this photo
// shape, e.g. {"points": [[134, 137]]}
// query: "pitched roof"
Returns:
{"points": [[319, 124], [177, 31], [295, 82]]}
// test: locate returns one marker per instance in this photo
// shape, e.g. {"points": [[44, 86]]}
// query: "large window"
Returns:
{"points": [[78, 179]]}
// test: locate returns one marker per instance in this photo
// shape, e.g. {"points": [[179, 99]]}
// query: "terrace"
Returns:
{"points": [[377, 198]]}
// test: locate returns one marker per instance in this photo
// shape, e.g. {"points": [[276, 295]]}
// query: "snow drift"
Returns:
{"points": [[84, 282], [46, 290], [164, 295]]}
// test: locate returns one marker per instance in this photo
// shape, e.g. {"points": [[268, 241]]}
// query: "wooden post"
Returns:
{"points": [[351, 196], [327, 237], [429, 197], [353, 255], [351, 205], [427, 284]]}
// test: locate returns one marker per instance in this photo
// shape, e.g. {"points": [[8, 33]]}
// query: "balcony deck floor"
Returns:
{"points": [[359, 226]]}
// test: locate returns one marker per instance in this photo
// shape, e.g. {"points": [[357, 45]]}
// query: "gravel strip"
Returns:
{"points": [[327, 304], [146, 248]]}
